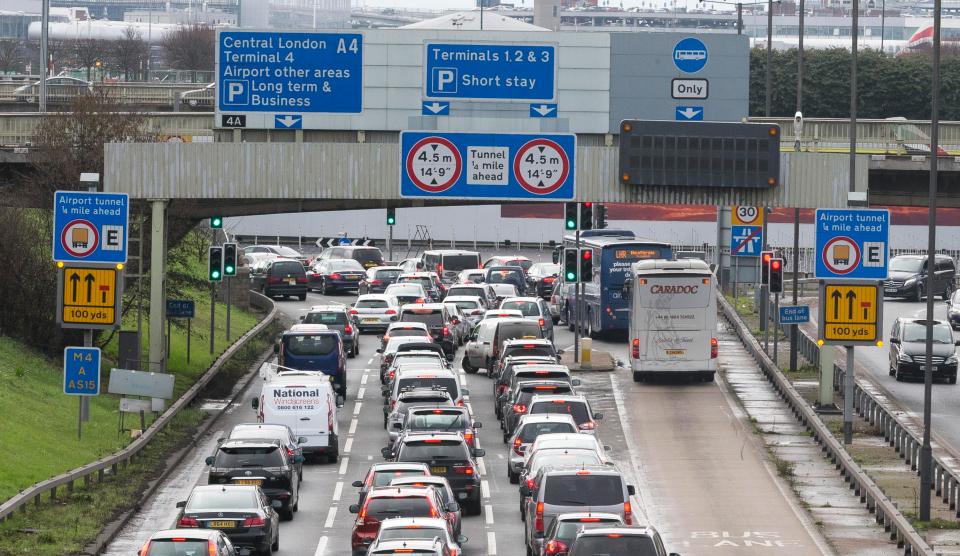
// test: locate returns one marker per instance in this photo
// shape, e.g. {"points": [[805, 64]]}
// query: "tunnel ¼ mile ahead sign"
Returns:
{"points": [[851, 312], [90, 227], [852, 243]]}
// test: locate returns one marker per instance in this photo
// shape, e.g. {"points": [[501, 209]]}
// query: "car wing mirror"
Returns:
{"points": [[465, 391], [462, 539], [299, 459], [276, 349], [631, 490], [479, 452], [598, 415], [524, 490], [302, 317], [209, 460], [255, 403], [477, 425], [386, 452], [182, 504], [354, 508], [453, 507], [357, 484], [302, 440], [576, 382], [276, 504]]}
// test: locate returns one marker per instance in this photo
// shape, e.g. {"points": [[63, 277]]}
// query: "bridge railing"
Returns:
{"points": [[154, 94], [17, 129], [893, 137]]}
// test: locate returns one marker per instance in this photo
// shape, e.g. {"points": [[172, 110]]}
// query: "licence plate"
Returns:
{"points": [[890, 290], [371, 320], [254, 482], [676, 352], [221, 524], [924, 367], [353, 278], [291, 281], [438, 469]]}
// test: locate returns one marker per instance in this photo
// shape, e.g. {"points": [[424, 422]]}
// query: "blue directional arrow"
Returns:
{"points": [[689, 113], [288, 121], [543, 110], [435, 108]]}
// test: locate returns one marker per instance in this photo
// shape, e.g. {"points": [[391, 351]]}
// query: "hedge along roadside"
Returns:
{"points": [[886, 513], [112, 461]]}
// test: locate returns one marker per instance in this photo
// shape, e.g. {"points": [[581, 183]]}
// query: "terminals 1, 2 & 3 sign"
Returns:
{"points": [[487, 165]]}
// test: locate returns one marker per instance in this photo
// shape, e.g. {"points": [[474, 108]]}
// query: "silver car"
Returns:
{"points": [[462, 325], [374, 311], [395, 415], [532, 308], [529, 428], [471, 306]]}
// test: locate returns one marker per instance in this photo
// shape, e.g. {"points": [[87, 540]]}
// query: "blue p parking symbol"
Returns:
{"points": [[444, 81], [236, 92]]}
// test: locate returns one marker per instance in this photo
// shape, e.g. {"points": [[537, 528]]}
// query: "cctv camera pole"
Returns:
{"points": [[44, 55], [925, 450], [796, 277], [769, 75]]}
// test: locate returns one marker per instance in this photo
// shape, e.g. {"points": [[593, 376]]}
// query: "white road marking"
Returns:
{"points": [[370, 361], [343, 466], [363, 379], [482, 466], [353, 426], [348, 446], [485, 490], [488, 513], [321, 547], [337, 491], [356, 408], [369, 458], [500, 456], [491, 543], [361, 392], [330, 516]]}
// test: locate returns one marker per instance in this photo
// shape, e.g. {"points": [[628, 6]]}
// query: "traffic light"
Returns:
{"points": [[601, 212], [229, 259], [216, 222], [586, 265], [215, 264], [765, 258], [391, 216], [586, 216], [570, 265], [776, 275], [570, 216]]}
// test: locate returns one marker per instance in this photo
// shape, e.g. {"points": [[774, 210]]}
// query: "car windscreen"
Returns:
{"points": [[575, 409], [371, 304], [383, 478], [905, 265], [325, 317], [610, 545], [524, 397], [568, 530], [531, 431], [429, 317], [226, 499], [505, 277], [232, 458], [476, 292], [384, 508], [436, 420], [415, 532], [460, 262], [310, 344], [287, 252], [433, 451], [447, 384], [344, 265], [917, 332], [513, 330], [526, 308], [387, 274], [583, 490], [531, 351], [287, 267], [177, 547], [367, 256]]}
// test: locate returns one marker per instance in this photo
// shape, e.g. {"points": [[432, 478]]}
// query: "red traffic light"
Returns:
{"points": [[766, 257], [588, 204], [587, 255], [775, 264]]}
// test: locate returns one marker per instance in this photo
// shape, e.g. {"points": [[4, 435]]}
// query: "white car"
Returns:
{"points": [[471, 306], [566, 440], [471, 276], [462, 325], [407, 293], [503, 291], [374, 311], [502, 314]]}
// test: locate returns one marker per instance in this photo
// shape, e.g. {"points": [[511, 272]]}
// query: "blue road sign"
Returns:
{"points": [[288, 121], [81, 371], [90, 227], [485, 71], [434, 108], [852, 243], [543, 110], [746, 241], [689, 113], [798, 314], [690, 55], [278, 72], [180, 309], [487, 165]]}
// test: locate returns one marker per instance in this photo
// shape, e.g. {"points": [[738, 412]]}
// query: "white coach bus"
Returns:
{"points": [[673, 319]]}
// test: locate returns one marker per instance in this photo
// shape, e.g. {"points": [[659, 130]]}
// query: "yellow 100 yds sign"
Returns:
{"points": [[850, 313]]}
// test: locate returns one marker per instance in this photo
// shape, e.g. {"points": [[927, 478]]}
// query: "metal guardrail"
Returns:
{"points": [[894, 137], [19, 128], [884, 510], [124, 456], [150, 93]]}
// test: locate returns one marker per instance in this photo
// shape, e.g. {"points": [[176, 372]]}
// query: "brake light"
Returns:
{"points": [[353, 312], [588, 426], [635, 349], [348, 329], [530, 484], [538, 522], [446, 331], [335, 276], [460, 402], [439, 268], [468, 436], [613, 535], [254, 522], [390, 312], [589, 520], [188, 522], [419, 300], [551, 388], [583, 472], [433, 511], [302, 279], [555, 547], [391, 374], [627, 513], [518, 447], [432, 441], [463, 470], [549, 279], [519, 408], [375, 282], [542, 323], [714, 348], [290, 452], [273, 279]]}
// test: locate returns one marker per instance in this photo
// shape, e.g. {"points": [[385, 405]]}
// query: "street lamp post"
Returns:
{"points": [[769, 74]]}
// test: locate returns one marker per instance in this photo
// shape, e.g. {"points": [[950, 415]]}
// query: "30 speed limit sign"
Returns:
{"points": [[747, 216]]}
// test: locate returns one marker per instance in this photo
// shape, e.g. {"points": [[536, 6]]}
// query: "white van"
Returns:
{"points": [[305, 403], [673, 318]]}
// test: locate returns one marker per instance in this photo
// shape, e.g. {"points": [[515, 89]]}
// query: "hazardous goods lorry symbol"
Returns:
{"points": [[841, 254], [80, 237]]}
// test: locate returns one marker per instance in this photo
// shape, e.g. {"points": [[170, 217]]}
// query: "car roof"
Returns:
{"points": [[522, 298], [508, 258], [431, 371], [418, 353], [192, 533], [407, 324], [379, 296], [570, 516], [398, 466], [548, 418], [261, 426], [431, 306], [414, 392], [635, 531], [582, 470], [573, 437], [309, 328], [385, 267], [509, 320], [400, 340], [403, 522], [564, 397], [250, 443], [451, 298], [223, 487], [919, 321], [318, 308], [514, 341], [392, 491], [448, 409], [422, 436], [533, 384]]}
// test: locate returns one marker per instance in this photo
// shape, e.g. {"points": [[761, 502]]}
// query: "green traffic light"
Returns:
{"points": [[571, 277], [215, 274], [216, 222], [228, 269], [571, 224], [391, 221]]}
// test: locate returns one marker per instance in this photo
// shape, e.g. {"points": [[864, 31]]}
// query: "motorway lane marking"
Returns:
{"points": [[369, 458], [488, 513], [356, 408], [361, 392], [348, 445], [321, 547], [370, 362], [343, 466], [482, 466], [485, 489], [491, 543], [353, 426], [337, 491], [500, 456], [363, 379], [330, 516]]}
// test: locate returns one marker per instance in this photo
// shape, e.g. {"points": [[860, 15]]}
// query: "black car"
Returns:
{"points": [[271, 431], [908, 355], [437, 319], [541, 279], [908, 277], [378, 278], [283, 278], [448, 455], [368, 257], [518, 400], [513, 275], [242, 512], [953, 310], [261, 463], [331, 275]]}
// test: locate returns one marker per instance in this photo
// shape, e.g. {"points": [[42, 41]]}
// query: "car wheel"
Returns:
{"points": [[467, 368], [334, 456], [897, 375], [287, 515], [302, 297], [276, 544], [324, 289], [953, 379], [892, 371], [918, 296], [474, 507], [948, 291], [514, 477], [638, 376]]}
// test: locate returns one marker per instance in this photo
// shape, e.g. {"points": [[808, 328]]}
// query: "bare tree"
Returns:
{"points": [[129, 54], [191, 47], [10, 56], [87, 52]]}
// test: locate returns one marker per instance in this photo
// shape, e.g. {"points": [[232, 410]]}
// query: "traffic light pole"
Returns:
{"points": [[227, 279], [213, 314], [848, 398], [390, 243], [765, 311], [576, 301], [776, 326]]}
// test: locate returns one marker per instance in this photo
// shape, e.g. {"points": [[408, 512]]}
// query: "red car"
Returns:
{"points": [[386, 502]]}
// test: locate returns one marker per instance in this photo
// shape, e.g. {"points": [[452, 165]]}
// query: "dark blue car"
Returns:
{"points": [[313, 347], [336, 275]]}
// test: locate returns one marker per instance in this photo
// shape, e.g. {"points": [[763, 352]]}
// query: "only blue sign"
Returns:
{"points": [[90, 227], [487, 165], [483, 71], [689, 113], [180, 308], [852, 243], [746, 241], [81, 371], [289, 72], [795, 314], [690, 55]]}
